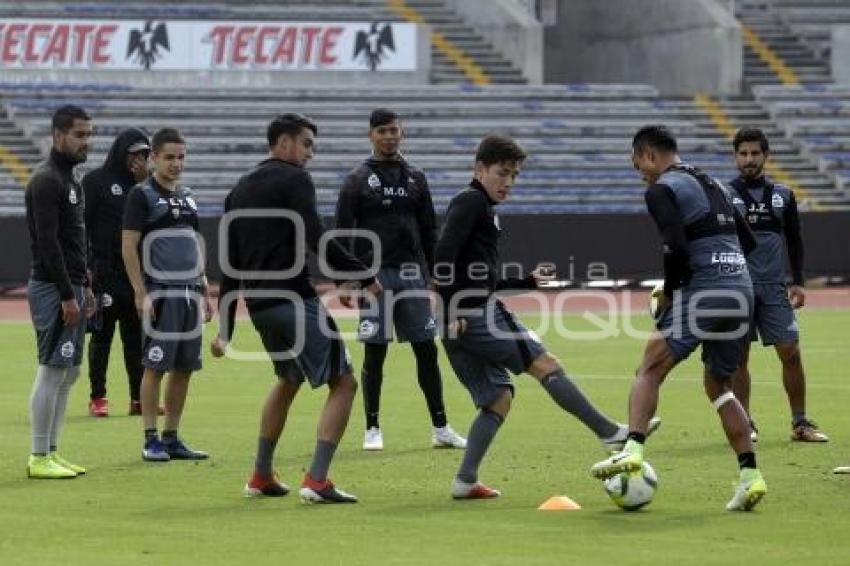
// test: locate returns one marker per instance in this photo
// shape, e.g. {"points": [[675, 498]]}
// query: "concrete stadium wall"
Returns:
{"points": [[841, 54], [511, 29], [680, 47], [578, 244]]}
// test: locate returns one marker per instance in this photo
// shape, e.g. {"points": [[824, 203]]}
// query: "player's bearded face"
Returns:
{"points": [[75, 142], [750, 159], [497, 178], [386, 139]]}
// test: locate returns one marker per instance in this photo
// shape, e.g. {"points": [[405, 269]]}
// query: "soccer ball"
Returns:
{"points": [[632, 490], [654, 297]]}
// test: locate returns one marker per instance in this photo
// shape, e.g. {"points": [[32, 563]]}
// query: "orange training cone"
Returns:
{"points": [[559, 503]]}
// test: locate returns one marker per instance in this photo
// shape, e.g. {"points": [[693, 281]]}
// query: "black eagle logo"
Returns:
{"points": [[144, 46], [374, 44]]}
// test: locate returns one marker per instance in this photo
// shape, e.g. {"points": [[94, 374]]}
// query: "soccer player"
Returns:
{"points": [[161, 216], [484, 339], [266, 253], [390, 197], [58, 287], [106, 189], [707, 300], [771, 211]]}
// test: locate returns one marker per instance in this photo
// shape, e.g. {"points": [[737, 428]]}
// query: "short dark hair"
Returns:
{"points": [[496, 148], [63, 118], [381, 117], [750, 135], [289, 124], [655, 136], [164, 136]]}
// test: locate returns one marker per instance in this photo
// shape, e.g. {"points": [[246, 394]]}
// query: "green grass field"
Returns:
{"points": [[129, 512]]}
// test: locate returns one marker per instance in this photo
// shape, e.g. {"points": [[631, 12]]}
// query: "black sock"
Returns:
{"points": [[481, 435], [264, 463], [430, 382], [372, 377], [150, 433], [169, 436], [638, 437], [747, 460], [53, 448]]}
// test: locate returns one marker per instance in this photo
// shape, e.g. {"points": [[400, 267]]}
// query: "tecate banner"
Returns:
{"points": [[153, 45]]}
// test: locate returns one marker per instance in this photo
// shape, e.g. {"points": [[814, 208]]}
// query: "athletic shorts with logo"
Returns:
{"points": [[773, 317], [173, 339], [719, 319], [403, 304], [303, 342], [493, 343], [58, 345]]}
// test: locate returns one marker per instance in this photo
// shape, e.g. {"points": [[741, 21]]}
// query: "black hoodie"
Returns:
{"points": [[106, 189]]}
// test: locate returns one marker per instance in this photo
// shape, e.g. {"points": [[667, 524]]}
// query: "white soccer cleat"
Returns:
{"points": [[373, 439], [841, 470], [617, 442], [446, 437], [750, 490], [463, 490]]}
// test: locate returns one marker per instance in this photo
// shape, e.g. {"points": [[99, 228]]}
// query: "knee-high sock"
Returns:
{"points": [[372, 379], [71, 375], [570, 398], [481, 435], [45, 389], [428, 375]]}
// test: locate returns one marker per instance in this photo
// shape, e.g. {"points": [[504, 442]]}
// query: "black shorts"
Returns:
{"points": [[58, 345], [173, 340], [303, 342], [689, 322], [403, 304], [492, 344]]}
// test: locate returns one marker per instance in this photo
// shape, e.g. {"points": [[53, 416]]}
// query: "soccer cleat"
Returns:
{"points": [[99, 407], [841, 470], [79, 470], [313, 491], [373, 439], [261, 486], [807, 431], [446, 437], [754, 431], [749, 492], [177, 450], [154, 451], [618, 441], [477, 490], [45, 468], [629, 460]]}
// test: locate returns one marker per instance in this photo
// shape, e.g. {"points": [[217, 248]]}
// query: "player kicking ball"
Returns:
{"points": [[484, 339], [708, 300]]}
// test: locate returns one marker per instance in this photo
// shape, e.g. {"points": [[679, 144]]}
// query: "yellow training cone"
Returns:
{"points": [[559, 503]]}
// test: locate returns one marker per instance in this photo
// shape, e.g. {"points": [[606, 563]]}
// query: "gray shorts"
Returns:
{"points": [[58, 345], [410, 315], [179, 317], [685, 328], [483, 354], [773, 317], [296, 338]]}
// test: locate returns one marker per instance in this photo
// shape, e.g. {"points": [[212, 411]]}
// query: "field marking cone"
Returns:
{"points": [[559, 503]]}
